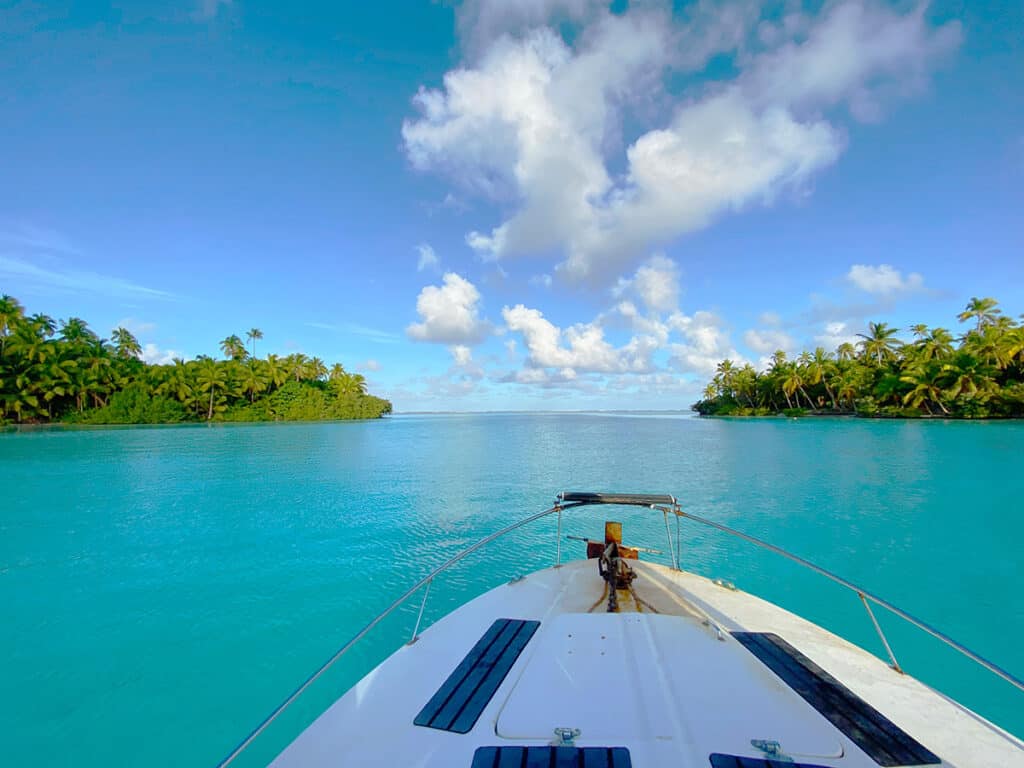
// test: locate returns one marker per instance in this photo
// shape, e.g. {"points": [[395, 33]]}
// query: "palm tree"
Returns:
{"points": [[54, 380], [983, 311], [1012, 346], [276, 370], [316, 369], [934, 344], [966, 375], [880, 342], [847, 388], [233, 348], [176, 381], [253, 334], [212, 377], [11, 312], [791, 381], [818, 369], [21, 402], [126, 345], [846, 351], [74, 330], [987, 345], [745, 381], [778, 363], [350, 384], [726, 370], [97, 373], [28, 344], [296, 365], [926, 382], [44, 324], [253, 379], [889, 388]]}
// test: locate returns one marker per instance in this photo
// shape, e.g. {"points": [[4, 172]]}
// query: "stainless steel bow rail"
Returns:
{"points": [[665, 504]]}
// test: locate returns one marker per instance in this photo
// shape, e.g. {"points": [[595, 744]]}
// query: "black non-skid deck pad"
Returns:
{"points": [[732, 761], [551, 757], [885, 742], [459, 702]]}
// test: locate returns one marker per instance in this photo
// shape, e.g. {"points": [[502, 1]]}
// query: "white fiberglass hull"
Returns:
{"points": [[664, 678]]}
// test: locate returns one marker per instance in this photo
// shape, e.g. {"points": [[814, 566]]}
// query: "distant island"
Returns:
{"points": [[64, 372], [978, 375]]}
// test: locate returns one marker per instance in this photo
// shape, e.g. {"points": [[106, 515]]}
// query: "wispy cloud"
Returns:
{"points": [[428, 258], [35, 238], [76, 280], [373, 334], [208, 9], [138, 327]]}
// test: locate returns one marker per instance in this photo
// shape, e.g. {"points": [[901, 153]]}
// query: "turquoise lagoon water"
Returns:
{"points": [[163, 588]]}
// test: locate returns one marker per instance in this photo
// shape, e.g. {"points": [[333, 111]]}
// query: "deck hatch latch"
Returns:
{"points": [[772, 749], [566, 737]]}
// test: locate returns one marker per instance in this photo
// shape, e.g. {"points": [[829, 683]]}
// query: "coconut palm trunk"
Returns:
{"points": [[831, 396], [807, 398]]}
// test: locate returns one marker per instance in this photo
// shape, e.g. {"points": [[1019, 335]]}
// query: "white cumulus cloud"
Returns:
{"points": [[883, 279], [706, 343], [449, 313], [834, 334], [481, 22], [538, 121], [766, 341], [153, 355], [580, 347], [656, 284], [461, 354]]}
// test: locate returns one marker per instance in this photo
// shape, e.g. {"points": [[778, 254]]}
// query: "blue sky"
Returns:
{"points": [[550, 204]]}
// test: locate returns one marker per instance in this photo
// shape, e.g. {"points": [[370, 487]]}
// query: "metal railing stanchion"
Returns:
{"points": [[668, 535], [419, 617], [679, 548], [558, 540], [878, 628]]}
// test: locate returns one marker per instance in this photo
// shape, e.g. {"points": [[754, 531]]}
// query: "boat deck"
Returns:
{"points": [[687, 673]]}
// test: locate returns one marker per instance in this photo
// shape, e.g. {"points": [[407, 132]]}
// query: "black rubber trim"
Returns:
{"points": [[732, 761], [551, 757], [459, 702], [636, 499], [885, 742]]}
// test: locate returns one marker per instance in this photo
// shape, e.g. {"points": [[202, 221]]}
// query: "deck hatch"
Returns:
{"points": [[551, 757], [732, 761], [885, 742], [459, 702]]}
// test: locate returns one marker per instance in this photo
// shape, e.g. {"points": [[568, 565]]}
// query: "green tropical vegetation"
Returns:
{"points": [[64, 372], [978, 374]]}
